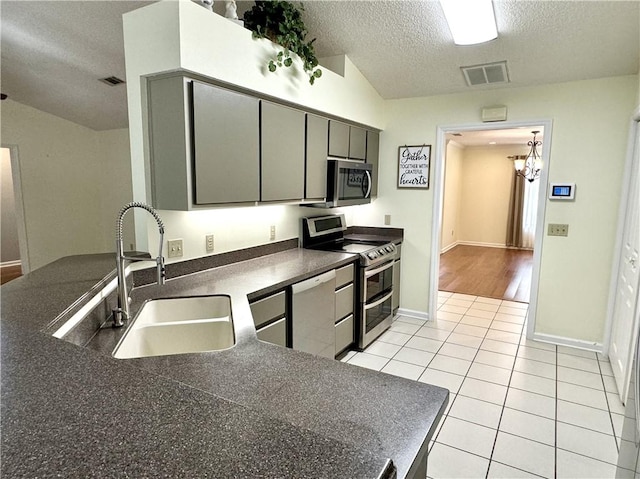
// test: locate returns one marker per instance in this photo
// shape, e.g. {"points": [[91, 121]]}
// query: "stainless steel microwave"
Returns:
{"points": [[348, 183]]}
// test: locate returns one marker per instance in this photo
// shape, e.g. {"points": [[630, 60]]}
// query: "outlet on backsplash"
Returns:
{"points": [[272, 233], [209, 243]]}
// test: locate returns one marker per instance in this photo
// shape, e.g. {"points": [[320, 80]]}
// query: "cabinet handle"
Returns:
{"points": [[368, 193], [373, 272], [381, 300]]}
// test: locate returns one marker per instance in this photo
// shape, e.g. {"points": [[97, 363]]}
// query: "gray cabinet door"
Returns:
{"points": [[344, 302], [373, 153], [226, 136], [357, 143], [317, 142], [169, 143], [344, 334], [338, 139], [282, 145]]}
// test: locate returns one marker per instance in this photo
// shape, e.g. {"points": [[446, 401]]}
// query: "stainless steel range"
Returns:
{"points": [[374, 283]]}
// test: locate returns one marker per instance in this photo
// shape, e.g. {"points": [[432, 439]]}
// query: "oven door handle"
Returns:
{"points": [[373, 272], [381, 300]]}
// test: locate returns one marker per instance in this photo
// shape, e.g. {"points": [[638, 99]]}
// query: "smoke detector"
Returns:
{"points": [[486, 74]]}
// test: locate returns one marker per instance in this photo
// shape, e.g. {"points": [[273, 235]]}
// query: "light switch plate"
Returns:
{"points": [[209, 243], [387, 220], [558, 230], [272, 233], [174, 247]]}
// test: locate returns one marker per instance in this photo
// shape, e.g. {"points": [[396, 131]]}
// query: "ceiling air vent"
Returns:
{"points": [[113, 81], [487, 74]]}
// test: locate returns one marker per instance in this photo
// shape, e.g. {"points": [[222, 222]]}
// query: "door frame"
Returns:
{"points": [[622, 213], [16, 177], [438, 197]]}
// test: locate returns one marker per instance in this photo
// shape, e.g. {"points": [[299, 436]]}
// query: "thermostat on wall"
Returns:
{"points": [[562, 191]]}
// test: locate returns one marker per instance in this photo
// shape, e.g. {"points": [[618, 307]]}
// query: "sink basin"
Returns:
{"points": [[178, 325]]}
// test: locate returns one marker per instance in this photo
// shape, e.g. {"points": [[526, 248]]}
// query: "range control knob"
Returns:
{"points": [[372, 255], [389, 249], [381, 251]]}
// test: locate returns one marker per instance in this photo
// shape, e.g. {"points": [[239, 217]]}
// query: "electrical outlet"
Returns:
{"points": [[558, 230], [175, 248], [209, 243], [272, 233], [387, 220]]}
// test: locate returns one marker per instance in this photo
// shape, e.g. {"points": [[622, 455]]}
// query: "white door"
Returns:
{"points": [[624, 325]]}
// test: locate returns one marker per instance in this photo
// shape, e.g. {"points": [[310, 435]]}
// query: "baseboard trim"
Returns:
{"points": [[409, 313], [9, 264], [486, 245], [451, 246], [573, 343]]}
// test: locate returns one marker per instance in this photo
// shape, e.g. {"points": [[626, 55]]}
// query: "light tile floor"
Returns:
{"points": [[517, 408]]}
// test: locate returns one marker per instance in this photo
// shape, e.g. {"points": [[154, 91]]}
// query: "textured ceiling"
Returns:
{"points": [[53, 52], [405, 49]]}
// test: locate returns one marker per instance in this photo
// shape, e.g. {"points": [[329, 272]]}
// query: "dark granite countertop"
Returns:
{"points": [[253, 410]]}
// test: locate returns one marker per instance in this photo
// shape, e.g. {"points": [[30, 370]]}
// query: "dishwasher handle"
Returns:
{"points": [[313, 282]]}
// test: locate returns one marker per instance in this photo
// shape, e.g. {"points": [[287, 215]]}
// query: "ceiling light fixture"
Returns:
{"points": [[470, 21], [528, 166]]}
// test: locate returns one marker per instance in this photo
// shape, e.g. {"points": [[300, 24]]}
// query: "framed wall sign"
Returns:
{"points": [[413, 166]]}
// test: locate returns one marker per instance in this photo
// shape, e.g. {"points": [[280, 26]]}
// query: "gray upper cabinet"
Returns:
{"points": [[347, 141], [357, 143], [373, 153], [203, 144], [338, 139], [282, 142], [226, 136], [210, 145], [169, 142], [317, 141]]}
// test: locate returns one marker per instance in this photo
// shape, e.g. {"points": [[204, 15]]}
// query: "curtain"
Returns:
{"points": [[516, 204], [523, 207]]}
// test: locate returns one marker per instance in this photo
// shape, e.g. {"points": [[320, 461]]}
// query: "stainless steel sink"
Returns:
{"points": [[178, 325]]}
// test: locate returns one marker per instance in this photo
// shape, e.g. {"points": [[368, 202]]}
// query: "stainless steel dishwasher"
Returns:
{"points": [[313, 305]]}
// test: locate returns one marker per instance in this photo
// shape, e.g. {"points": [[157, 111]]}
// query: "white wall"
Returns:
{"points": [[449, 232], [485, 185], [9, 246], [72, 178], [171, 35], [588, 146], [115, 184]]}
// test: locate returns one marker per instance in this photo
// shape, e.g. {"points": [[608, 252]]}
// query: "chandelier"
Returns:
{"points": [[528, 166]]}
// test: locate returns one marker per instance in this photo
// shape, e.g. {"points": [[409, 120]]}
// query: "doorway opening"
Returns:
{"points": [[487, 230], [13, 255], [488, 215]]}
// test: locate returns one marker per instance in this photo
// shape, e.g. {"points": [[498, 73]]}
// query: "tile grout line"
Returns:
{"points": [[495, 440], [555, 424], [458, 391], [606, 397]]}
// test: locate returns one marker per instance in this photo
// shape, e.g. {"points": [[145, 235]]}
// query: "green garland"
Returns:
{"points": [[281, 22]]}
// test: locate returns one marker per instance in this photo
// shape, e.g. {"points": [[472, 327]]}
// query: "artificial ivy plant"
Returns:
{"points": [[281, 22]]}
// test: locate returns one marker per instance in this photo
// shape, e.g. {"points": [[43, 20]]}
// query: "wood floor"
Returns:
{"points": [[10, 272], [489, 272]]}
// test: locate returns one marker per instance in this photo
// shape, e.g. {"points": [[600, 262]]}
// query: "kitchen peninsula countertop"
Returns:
{"points": [[253, 410]]}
